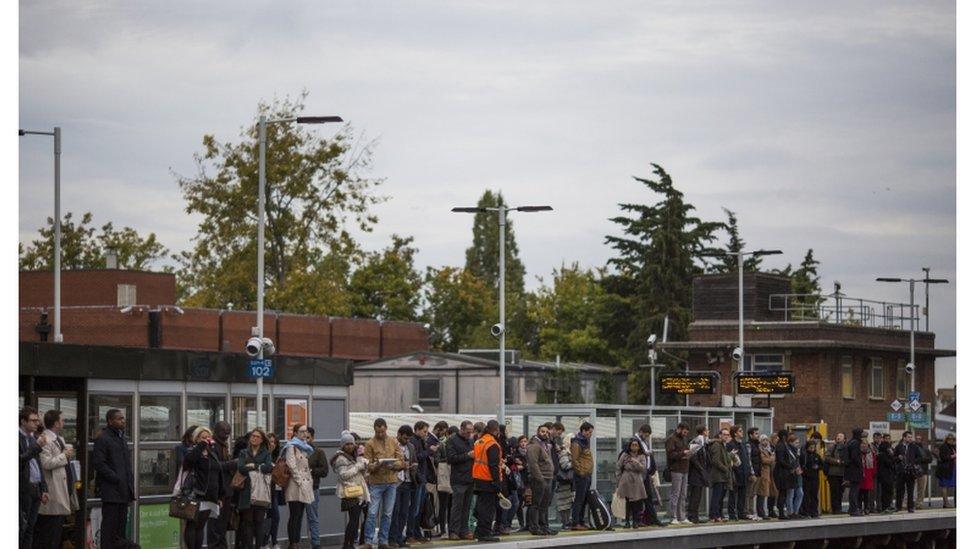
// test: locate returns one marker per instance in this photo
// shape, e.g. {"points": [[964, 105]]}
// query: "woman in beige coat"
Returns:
{"points": [[62, 499], [631, 470], [351, 482], [298, 492]]}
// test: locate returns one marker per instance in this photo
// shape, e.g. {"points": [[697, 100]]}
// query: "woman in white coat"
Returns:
{"points": [[352, 489], [62, 499], [298, 492]]}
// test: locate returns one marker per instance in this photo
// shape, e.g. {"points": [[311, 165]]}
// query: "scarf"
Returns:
{"points": [[300, 444]]}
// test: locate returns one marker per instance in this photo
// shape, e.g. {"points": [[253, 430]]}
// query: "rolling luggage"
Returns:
{"points": [[599, 512]]}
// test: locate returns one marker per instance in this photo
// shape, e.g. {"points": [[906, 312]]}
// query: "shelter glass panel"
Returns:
{"points": [[159, 418]]}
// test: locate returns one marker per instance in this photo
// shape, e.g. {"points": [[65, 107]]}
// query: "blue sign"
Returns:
{"points": [[914, 395], [260, 368], [896, 416], [919, 420]]}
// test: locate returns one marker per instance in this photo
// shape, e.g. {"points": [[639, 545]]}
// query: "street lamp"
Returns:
{"points": [[262, 152], [911, 307], [56, 134], [499, 329], [739, 255]]}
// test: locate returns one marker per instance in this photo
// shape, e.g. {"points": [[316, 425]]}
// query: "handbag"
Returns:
{"points": [[182, 505], [618, 506], [260, 489], [237, 483], [352, 491], [281, 475]]}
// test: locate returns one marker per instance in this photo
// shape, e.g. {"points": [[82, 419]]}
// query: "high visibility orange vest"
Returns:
{"points": [[480, 470]]}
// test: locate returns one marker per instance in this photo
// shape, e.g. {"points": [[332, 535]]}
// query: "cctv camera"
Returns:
{"points": [[268, 346], [254, 346], [652, 340], [417, 408], [497, 330], [910, 368], [737, 354]]}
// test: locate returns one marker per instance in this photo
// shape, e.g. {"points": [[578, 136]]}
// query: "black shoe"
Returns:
{"points": [[537, 533], [550, 532], [490, 539]]}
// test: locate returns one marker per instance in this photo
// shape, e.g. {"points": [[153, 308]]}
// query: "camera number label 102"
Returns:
{"points": [[260, 368]]}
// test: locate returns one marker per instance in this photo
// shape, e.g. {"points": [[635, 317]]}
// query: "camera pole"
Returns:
{"points": [[262, 145]]}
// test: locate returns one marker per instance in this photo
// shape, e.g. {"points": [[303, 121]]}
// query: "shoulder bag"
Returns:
{"points": [[183, 505], [281, 475]]}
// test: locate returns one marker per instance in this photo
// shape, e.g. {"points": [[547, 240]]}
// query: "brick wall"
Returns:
{"points": [[402, 337], [300, 335], [197, 329], [355, 338], [95, 287]]}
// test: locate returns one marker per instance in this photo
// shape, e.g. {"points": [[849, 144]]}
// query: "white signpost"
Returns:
{"points": [[896, 405], [882, 427]]}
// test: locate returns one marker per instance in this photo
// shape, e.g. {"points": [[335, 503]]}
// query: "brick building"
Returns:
{"points": [[127, 345], [847, 354]]}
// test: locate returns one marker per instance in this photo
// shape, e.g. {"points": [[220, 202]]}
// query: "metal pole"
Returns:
{"points": [[262, 145], [911, 312], [501, 311], [742, 339], [926, 271], [57, 235]]}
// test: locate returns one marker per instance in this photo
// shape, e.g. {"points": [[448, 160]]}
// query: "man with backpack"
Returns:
{"points": [[699, 472], [582, 472]]}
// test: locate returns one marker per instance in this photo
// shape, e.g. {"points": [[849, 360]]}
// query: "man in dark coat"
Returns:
{"points": [[854, 472], [906, 458], [741, 473], [835, 459], [755, 455], [885, 477], [114, 480], [699, 472], [32, 488], [460, 455], [425, 473]]}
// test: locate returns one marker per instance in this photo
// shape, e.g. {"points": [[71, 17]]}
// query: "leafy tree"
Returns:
{"points": [[660, 253], [387, 286], [730, 263], [805, 281], [84, 248], [316, 192], [482, 257], [562, 387], [458, 307]]}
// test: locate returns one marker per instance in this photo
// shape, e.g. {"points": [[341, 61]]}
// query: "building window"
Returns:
{"points": [[429, 393], [294, 411], [901, 381], [205, 410], [847, 377], [877, 379], [159, 418], [126, 295], [98, 407], [244, 415], [764, 363]]}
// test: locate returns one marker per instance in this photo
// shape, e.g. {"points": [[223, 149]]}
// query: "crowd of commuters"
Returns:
{"points": [[469, 481]]}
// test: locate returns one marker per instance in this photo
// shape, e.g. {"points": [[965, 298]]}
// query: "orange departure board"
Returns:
{"points": [[764, 384], [687, 384]]}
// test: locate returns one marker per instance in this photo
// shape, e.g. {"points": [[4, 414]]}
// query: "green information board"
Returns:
{"points": [[157, 529]]}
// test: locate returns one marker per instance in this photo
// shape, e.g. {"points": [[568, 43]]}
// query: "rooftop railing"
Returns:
{"points": [[841, 309]]}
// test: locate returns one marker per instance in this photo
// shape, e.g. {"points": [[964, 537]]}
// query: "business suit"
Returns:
{"points": [[29, 492], [114, 483]]}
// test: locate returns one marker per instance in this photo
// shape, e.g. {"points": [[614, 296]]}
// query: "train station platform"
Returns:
{"points": [[925, 528]]}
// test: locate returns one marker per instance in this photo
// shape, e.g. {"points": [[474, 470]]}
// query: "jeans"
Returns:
{"points": [[581, 485], [384, 494], [797, 504], [507, 517], [416, 508], [461, 495], [679, 490], [715, 506], [312, 517], [401, 513]]}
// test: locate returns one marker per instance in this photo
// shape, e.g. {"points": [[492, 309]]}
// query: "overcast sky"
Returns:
{"points": [[824, 125]]}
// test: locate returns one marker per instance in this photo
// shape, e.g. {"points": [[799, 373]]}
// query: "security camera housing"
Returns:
{"points": [[737, 354], [497, 330], [910, 368], [651, 341], [253, 346]]}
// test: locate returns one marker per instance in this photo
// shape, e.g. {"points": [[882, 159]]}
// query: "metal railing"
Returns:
{"points": [[841, 309]]}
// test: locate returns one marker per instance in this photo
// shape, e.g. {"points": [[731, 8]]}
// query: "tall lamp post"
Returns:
{"points": [[739, 260], [262, 152], [499, 329], [911, 307], [56, 134]]}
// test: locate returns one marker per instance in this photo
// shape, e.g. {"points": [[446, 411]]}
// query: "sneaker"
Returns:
{"points": [[686, 521]]}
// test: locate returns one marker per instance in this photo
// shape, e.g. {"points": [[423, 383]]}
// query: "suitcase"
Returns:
{"points": [[599, 512]]}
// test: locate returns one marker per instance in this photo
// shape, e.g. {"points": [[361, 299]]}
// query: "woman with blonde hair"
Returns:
{"points": [[206, 478]]}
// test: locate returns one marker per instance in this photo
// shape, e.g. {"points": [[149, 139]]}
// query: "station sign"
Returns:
{"points": [[260, 368], [919, 420], [687, 384], [776, 383], [896, 417]]}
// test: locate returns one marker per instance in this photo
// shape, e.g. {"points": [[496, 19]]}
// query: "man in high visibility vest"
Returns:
{"points": [[487, 475]]}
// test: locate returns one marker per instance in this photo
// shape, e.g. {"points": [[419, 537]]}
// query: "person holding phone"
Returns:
{"points": [[382, 481]]}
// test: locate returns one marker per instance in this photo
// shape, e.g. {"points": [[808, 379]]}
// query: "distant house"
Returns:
{"points": [[467, 382]]}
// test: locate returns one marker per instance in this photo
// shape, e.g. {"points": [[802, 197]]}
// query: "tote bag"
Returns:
{"points": [[260, 489]]}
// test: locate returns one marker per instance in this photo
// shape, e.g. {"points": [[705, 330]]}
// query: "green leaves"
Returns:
{"points": [[84, 248]]}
